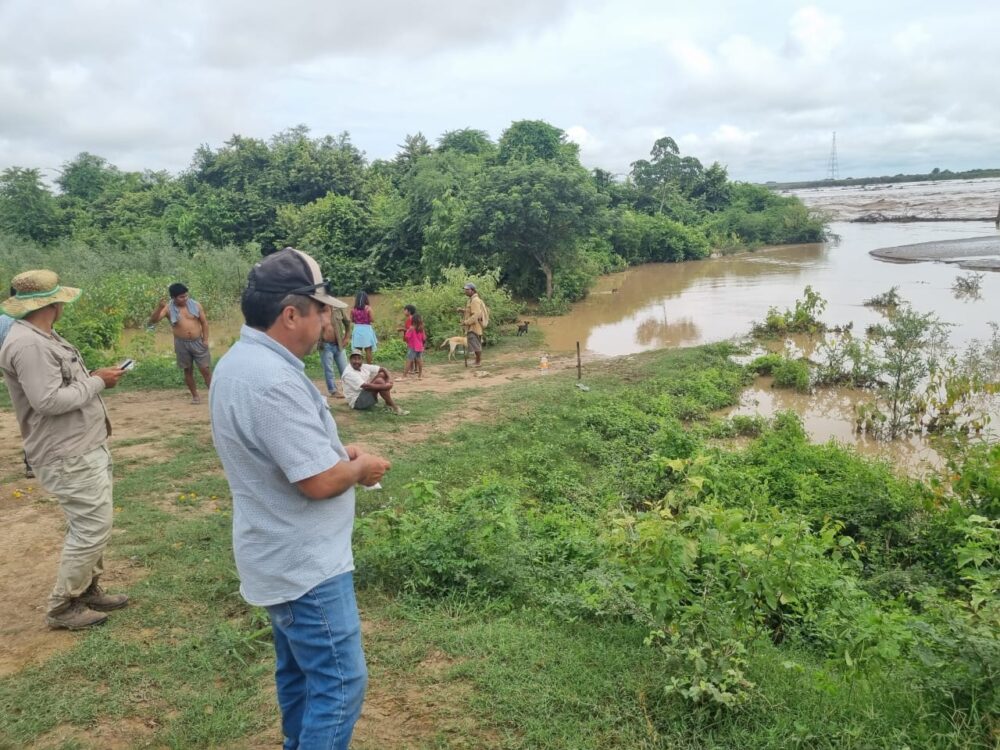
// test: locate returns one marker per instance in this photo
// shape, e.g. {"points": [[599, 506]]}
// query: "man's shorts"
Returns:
{"points": [[412, 355], [365, 400], [190, 351], [475, 343]]}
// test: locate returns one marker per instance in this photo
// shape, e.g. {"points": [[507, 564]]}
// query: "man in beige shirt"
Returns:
{"points": [[187, 318], [472, 321], [65, 428]]}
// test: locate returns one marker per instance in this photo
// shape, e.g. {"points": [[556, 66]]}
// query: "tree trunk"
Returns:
{"points": [[547, 270]]}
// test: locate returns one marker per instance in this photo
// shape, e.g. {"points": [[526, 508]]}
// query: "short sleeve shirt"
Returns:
{"points": [[272, 428], [352, 381]]}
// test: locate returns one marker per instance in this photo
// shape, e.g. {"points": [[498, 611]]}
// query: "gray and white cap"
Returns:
{"points": [[291, 271]]}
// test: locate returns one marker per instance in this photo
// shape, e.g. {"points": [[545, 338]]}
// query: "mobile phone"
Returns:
{"points": [[128, 364]]}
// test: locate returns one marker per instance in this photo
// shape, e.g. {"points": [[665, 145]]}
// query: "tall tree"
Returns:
{"points": [[86, 177], [533, 213], [27, 208], [534, 140], [467, 141]]}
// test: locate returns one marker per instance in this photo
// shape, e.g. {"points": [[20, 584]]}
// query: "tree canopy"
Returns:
{"points": [[523, 205]]}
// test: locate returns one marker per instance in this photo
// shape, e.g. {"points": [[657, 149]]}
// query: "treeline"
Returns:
{"points": [[523, 205], [934, 174]]}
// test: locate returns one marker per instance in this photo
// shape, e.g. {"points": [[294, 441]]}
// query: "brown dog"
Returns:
{"points": [[453, 343]]}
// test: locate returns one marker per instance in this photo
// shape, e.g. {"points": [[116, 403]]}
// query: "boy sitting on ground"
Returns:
{"points": [[363, 384]]}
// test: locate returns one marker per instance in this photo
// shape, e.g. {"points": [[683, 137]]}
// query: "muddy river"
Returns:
{"points": [[683, 304], [666, 305]]}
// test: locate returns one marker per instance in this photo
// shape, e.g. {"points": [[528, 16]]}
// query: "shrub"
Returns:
{"points": [[437, 303], [802, 319], [792, 373]]}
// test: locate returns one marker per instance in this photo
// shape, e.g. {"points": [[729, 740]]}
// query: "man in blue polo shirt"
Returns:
{"points": [[292, 482]]}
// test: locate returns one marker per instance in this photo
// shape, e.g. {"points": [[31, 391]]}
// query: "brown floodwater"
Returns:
{"points": [[828, 414], [684, 304]]}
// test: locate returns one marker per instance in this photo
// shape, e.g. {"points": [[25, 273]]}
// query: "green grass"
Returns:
{"points": [[525, 663]]}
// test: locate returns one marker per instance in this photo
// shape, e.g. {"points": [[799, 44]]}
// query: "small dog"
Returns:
{"points": [[453, 343], [522, 328]]}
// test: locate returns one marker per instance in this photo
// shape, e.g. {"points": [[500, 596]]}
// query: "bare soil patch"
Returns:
{"points": [[33, 529], [121, 734]]}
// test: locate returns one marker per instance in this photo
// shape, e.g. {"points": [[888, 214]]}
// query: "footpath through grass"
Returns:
{"points": [[590, 571]]}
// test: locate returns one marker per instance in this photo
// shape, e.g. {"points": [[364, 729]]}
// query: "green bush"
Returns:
{"points": [[804, 318], [437, 304], [792, 373]]}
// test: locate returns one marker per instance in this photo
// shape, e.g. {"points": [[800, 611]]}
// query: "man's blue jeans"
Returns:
{"points": [[320, 673], [330, 355]]}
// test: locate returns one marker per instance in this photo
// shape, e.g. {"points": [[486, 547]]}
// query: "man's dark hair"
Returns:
{"points": [[261, 309], [410, 309], [177, 289]]}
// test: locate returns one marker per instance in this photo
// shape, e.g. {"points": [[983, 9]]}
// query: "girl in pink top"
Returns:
{"points": [[362, 333], [415, 339]]}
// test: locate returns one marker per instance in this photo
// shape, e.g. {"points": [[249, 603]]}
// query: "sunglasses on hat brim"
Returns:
{"points": [[324, 286]]}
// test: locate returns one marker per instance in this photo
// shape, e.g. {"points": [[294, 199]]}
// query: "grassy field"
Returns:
{"points": [[512, 570]]}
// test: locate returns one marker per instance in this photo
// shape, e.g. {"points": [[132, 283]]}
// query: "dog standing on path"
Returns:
{"points": [[453, 342], [522, 328]]}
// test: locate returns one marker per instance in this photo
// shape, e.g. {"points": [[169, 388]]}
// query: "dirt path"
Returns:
{"points": [[143, 424]]}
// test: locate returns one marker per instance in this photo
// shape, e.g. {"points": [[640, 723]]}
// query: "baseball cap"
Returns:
{"points": [[470, 285], [357, 352], [291, 271]]}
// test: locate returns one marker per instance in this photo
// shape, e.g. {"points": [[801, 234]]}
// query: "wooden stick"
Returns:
{"points": [[579, 366]]}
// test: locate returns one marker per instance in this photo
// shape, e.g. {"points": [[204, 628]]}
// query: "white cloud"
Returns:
{"points": [[814, 34], [912, 40], [691, 57], [757, 86], [582, 138]]}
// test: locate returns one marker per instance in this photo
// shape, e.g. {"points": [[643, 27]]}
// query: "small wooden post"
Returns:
{"points": [[579, 366], [997, 222]]}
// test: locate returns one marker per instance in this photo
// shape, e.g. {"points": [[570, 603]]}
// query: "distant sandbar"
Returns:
{"points": [[974, 254]]}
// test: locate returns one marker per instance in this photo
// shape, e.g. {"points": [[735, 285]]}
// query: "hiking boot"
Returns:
{"points": [[96, 598], [74, 615]]}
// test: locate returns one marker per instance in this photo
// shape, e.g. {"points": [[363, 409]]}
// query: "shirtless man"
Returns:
{"points": [[190, 326]]}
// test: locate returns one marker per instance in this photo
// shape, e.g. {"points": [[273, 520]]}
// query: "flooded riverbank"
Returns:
{"points": [[685, 304]]}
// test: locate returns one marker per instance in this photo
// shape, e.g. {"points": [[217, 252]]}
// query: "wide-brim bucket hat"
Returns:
{"points": [[34, 290]]}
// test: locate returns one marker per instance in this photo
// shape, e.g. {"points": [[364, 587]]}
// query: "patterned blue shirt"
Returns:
{"points": [[272, 428], [6, 322]]}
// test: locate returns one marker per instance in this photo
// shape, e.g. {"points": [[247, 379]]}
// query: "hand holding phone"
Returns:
{"points": [[128, 364]]}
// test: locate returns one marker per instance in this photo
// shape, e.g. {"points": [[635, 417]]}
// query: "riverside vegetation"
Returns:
{"points": [[522, 204], [613, 572]]}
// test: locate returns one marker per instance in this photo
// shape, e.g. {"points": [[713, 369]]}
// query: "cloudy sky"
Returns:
{"points": [[907, 86]]}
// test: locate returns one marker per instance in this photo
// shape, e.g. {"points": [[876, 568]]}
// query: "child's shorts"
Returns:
{"points": [[412, 355]]}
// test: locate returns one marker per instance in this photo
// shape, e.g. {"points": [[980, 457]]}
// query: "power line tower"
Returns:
{"points": [[833, 168]]}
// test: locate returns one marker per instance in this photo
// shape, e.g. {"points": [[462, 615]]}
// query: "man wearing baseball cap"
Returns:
{"points": [[292, 482], [65, 429]]}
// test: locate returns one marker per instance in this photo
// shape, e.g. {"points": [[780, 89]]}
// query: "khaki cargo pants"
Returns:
{"points": [[82, 485]]}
